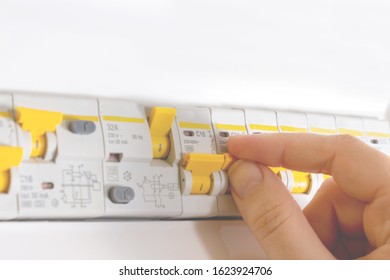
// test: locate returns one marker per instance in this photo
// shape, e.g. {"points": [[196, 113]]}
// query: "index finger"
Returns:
{"points": [[361, 171]]}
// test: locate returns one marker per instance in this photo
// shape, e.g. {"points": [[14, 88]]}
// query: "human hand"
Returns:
{"points": [[348, 218]]}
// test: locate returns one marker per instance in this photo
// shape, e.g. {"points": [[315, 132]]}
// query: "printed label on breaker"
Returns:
{"points": [[197, 137], [224, 131]]}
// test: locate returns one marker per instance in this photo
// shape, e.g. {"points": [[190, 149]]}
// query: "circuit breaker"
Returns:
{"points": [[68, 157], [61, 172], [140, 166], [196, 136]]}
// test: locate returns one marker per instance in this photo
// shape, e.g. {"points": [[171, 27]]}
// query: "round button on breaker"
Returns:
{"points": [[121, 195], [82, 127]]}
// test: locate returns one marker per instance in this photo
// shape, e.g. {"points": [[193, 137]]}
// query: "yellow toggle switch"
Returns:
{"points": [[202, 167], [38, 122], [326, 176], [228, 161], [160, 122], [9, 157], [298, 183], [276, 169], [302, 182]]}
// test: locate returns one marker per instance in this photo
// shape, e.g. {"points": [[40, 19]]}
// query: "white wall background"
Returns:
{"points": [[329, 55]]}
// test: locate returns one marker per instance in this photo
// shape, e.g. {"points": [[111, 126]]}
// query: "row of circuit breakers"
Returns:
{"points": [[69, 158]]}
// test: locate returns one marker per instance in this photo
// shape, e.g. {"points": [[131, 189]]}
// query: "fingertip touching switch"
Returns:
{"points": [[160, 122], [38, 123], [82, 127], [10, 157], [121, 195], [227, 161]]}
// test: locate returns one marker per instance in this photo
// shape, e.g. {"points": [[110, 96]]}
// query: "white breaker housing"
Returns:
{"points": [[66, 157]]}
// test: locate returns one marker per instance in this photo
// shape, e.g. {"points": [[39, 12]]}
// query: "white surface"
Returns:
{"points": [[128, 240], [311, 55], [322, 56]]}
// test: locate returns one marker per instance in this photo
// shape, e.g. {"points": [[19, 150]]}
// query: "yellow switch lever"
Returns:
{"points": [[9, 157], [160, 122], [228, 161], [38, 122], [202, 166], [326, 176], [302, 182]]}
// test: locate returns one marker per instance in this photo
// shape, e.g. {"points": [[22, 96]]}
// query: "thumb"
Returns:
{"points": [[272, 214]]}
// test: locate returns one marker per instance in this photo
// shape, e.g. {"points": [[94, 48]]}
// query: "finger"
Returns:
{"points": [[272, 215], [382, 253], [353, 164], [322, 217], [376, 221], [337, 220]]}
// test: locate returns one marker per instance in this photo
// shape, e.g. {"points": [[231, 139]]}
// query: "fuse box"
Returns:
{"points": [[68, 157]]}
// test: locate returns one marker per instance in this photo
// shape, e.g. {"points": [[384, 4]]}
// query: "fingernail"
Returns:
{"points": [[244, 177]]}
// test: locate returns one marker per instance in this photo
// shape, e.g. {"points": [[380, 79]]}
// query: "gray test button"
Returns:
{"points": [[121, 195], [82, 127]]}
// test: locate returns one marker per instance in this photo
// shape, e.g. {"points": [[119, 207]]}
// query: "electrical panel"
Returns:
{"points": [[67, 157]]}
